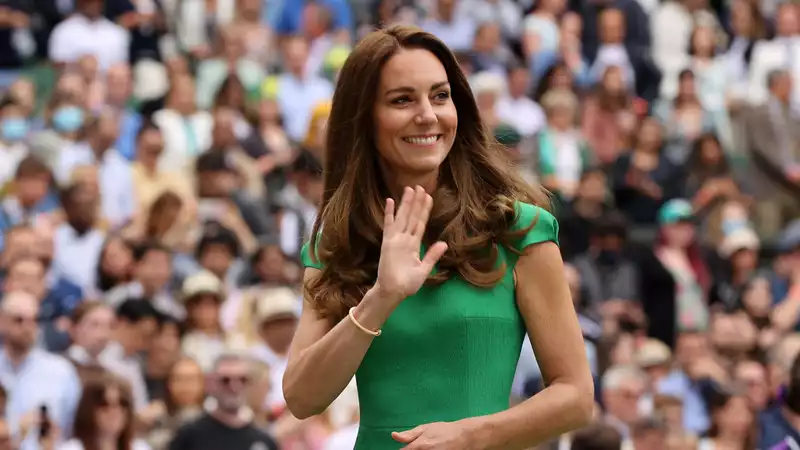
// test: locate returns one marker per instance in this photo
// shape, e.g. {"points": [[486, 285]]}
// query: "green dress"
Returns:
{"points": [[447, 352]]}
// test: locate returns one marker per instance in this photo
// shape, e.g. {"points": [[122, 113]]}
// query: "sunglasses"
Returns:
{"points": [[122, 403], [230, 381], [20, 320]]}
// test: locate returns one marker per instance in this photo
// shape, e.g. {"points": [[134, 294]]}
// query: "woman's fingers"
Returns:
{"points": [[424, 215], [433, 255], [388, 215], [401, 218], [417, 204]]}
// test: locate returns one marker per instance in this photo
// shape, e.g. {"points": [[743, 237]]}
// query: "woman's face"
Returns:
{"points": [[745, 259], [649, 135], [710, 153], [205, 311], [117, 259], [415, 117], [186, 384], [686, 87], [271, 264], [679, 234], [612, 80], [268, 111], [735, 417], [703, 41], [112, 414], [93, 332], [561, 79], [182, 95], [757, 299], [562, 118]]}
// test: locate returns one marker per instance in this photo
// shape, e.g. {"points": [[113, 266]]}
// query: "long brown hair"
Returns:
{"points": [[93, 396], [474, 203]]}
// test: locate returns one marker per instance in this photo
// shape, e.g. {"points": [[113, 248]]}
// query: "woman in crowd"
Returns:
{"points": [[185, 393], [116, 262], [205, 339], [732, 423], [104, 419], [608, 116]]}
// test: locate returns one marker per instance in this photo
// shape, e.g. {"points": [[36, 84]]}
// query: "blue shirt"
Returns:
{"points": [[41, 379], [290, 19], [129, 127], [695, 414]]}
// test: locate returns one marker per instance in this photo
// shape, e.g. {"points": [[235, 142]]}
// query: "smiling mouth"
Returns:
{"points": [[423, 140]]}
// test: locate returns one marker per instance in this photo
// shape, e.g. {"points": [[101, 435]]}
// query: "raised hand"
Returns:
{"points": [[401, 272]]}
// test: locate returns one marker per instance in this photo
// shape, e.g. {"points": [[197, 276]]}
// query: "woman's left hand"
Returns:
{"points": [[437, 435]]}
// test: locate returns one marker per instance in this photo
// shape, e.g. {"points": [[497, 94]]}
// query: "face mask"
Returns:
{"points": [[68, 119], [14, 130], [608, 256]]}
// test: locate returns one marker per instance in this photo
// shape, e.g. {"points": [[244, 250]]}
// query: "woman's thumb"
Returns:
{"points": [[406, 437]]}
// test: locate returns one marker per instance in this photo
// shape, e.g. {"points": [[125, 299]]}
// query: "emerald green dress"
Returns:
{"points": [[447, 352]]}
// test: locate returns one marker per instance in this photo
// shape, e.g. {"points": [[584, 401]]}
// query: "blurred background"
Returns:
{"points": [[160, 169]]}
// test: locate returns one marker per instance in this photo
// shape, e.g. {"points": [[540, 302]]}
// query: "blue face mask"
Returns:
{"points": [[68, 119], [14, 130]]}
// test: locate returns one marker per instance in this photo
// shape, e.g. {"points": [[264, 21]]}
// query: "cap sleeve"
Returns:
{"points": [[308, 261], [545, 228]]}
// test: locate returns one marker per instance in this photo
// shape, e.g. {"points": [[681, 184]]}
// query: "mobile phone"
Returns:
{"points": [[44, 422]]}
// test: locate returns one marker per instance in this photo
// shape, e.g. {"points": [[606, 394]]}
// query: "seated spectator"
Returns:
{"points": [[608, 116], [14, 129], [30, 195], [300, 200], [202, 295], [226, 424], [64, 119], [516, 108], [105, 417], [648, 433], [48, 379], [577, 218], [114, 264], [185, 392], [623, 387], [644, 178], [88, 32], [597, 436], [152, 272]]}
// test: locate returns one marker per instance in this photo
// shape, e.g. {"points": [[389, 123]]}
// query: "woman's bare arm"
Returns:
{"points": [[567, 402], [323, 360]]}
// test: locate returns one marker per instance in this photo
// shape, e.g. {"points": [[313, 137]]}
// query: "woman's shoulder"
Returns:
{"points": [[541, 225]]}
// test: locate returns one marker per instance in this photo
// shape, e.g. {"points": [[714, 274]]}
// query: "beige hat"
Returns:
{"points": [[742, 239], [204, 282], [273, 303], [653, 353]]}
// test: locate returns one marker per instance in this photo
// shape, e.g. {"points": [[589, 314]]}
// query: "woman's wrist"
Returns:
{"points": [[374, 309]]}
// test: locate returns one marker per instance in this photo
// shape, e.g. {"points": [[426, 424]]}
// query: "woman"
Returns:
{"points": [[608, 116], [116, 264], [732, 423], [64, 117], [739, 254], [644, 178], [563, 154], [104, 419], [396, 111], [684, 118], [185, 393], [205, 339], [679, 253]]}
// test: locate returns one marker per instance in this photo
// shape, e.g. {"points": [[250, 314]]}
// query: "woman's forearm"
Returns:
{"points": [[318, 375], [557, 409]]}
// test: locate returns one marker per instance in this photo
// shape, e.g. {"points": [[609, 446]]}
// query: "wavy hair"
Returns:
{"points": [[474, 202]]}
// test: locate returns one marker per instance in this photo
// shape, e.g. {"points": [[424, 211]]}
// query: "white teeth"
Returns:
{"points": [[422, 140]]}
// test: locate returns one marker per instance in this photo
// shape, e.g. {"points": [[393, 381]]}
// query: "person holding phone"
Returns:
{"points": [[430, 259]]}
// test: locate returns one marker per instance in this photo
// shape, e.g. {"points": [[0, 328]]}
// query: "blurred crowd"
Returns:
{"points": [[160, 168]]}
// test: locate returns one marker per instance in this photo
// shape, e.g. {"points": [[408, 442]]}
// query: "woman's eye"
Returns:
{"points": [[442, 96], [401, 100]]}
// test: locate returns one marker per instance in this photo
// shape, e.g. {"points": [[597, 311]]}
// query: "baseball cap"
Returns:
{"points": [[274, 303], [200, 283], [674, 211]]}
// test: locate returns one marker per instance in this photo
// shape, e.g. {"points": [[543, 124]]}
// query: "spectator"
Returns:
{"points": [[623, 387], [152, 272], [105, 417], [78, 242], [32, 194], [202, 295], [224, 425], [89, 33], [14, 130], [48, 379], [184, 401]]}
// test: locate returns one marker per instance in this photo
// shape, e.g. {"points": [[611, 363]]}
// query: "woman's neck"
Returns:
{"points": [[729, 441], [107, 442]]}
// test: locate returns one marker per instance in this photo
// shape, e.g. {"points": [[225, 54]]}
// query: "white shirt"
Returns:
{"points": [[524, 114], [11, 156], [78, 36], [180, 148], [76, 257], [115, 177], [74, 444], [277, 366]]}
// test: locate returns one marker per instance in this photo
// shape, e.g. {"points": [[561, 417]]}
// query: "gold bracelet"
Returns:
{"points": [[362, 327]]}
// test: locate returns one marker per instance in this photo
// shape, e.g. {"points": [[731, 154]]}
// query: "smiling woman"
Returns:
{"points": [[430, 260]]}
